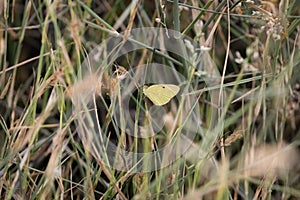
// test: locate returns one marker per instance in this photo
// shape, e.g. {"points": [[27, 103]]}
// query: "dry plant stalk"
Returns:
{"points": [[270, 160]]}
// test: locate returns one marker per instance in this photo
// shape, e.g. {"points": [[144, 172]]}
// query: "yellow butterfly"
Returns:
{"points": [[161, 94]]}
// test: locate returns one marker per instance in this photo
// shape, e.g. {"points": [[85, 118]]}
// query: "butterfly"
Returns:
{"points": [[161, 94]]}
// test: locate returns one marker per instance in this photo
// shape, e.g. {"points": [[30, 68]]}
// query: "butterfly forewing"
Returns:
{"points": [[162, 93]]}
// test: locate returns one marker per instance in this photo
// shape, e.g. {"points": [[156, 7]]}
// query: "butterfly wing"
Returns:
{"points": [[162, 93], [158, 99]]}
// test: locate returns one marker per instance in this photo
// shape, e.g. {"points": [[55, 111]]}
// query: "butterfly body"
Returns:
{"points": [[161, 94]]}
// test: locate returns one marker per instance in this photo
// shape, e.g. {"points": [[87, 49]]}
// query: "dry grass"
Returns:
{"points": [[244, 77]]}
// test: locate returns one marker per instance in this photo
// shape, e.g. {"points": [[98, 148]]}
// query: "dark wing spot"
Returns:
{"points": [[163, 86]]}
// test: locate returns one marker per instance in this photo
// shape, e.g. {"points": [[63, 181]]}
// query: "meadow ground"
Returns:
{"points": [[149, 99]]}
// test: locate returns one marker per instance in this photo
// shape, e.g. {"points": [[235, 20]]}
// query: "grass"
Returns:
{"points": [[238, 100]]}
